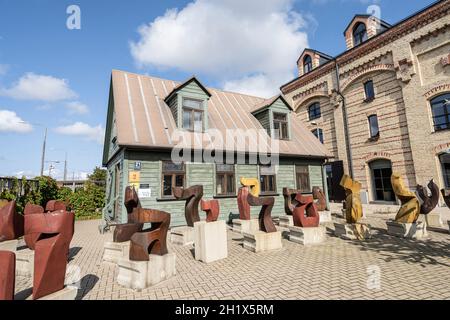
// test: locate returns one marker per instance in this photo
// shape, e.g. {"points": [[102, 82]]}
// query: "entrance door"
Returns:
{"points": [[335, 171], [445, 163], [381, 171]]}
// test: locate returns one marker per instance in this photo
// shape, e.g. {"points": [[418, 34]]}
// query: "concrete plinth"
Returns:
{"points": [[139, 275], [210, 241], [242, 226], [286, 221], [25, 262], [258, 241], [113, 251], [307, 236], [182, 235], [68, 293], [10, 245], [352, 231], [434, 219], [416, 230], [325, 216]]}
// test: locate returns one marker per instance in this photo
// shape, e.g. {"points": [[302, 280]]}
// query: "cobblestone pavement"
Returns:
{"points": [[336, 269]]}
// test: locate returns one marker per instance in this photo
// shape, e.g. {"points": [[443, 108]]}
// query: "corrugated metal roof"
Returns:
{"points": [[144, 120]]}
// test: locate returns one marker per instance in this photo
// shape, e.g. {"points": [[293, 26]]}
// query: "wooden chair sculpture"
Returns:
{"points": [[243, 206], [289, 200], [410, 207], [265, 215], [253, 185], [7, 275], [55, 231], [123, 232], [446, 198], [305, 213], [429, 202], [320, 197], [212, 209], [152, 240], [192, 195], [353, 206], [11, 222]]}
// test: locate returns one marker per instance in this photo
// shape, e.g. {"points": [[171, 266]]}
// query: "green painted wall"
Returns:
{"points": [[264, 118]]}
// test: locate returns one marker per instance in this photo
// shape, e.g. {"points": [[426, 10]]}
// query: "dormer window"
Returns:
{"points": [[192, 115], [359, 34], [280, 126], [307, 64]]}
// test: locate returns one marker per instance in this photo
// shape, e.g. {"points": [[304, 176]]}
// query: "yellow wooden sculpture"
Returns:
{"points": [[353, 207], [410, 209], [253, 184]]}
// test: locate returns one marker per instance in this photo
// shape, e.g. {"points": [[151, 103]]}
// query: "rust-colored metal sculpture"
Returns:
{"points": [[124, 232], [305, 214], [212, 209], [7, 275], [353, 206], [410, 209], [55, 232], [446, 198], [152, 240], [265, 215], [11, 222], [289, 200], [318, 195], [243, 206], [429, 202], [192, 195], [55, 205], [3, 203], [253, 185], [31, 209]]}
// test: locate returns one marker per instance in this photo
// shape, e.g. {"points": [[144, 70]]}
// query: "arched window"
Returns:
{"points": [[307, 64], [314, 111], [359, 33], [440, 107]]}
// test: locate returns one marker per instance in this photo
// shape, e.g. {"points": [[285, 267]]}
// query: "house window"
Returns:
{"points": [[307, 64], [319, 134], [445, 163], [280, 126], [359, 34], [302, 175], [192, 115], [314, 111], [225, 181], [373, 126], [173, 175], [267, 178], [440, 107], [369, 91]]}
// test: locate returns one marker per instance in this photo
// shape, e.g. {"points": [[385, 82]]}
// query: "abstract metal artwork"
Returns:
{"points": [[318, 195], [7, 275], [305, 214], [289, 200], [353, 206], [410, 207], [265, 215], [429, 202], [123, 232], [192, 195], [212, 209], [55, 205], [243, 206], [31, 209], [11, 222]]}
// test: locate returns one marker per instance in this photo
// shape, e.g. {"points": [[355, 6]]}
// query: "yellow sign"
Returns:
{"points": [[135, 185], [134, 176]]}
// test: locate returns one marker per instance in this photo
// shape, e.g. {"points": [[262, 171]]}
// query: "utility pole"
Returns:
{"points": [[65, 167], [43, 153]]}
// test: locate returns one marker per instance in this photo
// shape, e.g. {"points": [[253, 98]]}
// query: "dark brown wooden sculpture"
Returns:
{"points": [[55, 232], [318, 195], [123, 232], [7, 275], [192, 195], [306, 214], [212, 209], [265, 215], [31, 209], [152, 240], [429, 202], [289, 200], [243, 206], [446, 198], [11, 222], [55, 205]]}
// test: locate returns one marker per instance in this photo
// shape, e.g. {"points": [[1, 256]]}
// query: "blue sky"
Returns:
{"points": [[58, 78]]}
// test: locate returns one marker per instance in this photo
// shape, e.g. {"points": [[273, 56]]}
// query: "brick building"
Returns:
{"points": [[383, 105]]}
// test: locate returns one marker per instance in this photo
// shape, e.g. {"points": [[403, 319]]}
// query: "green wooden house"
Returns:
{"points": [[150, 120]]}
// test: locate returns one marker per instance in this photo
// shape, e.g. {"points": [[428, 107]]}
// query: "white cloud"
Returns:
{"points": [[76, 107], [33, 86], [11, 122], [252, 43], [83, 130]]}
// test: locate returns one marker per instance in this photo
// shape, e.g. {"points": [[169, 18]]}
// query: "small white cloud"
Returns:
{"points": [[11, 122], [83, 130], [76, 107], [33, 86]]}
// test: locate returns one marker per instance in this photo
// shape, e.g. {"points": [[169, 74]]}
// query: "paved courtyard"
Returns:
{"points": [[337, 269]]}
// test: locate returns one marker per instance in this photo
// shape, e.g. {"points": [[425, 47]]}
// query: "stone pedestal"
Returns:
{"points": [[258, 241], [10, 245], [352, 231], [307, 236], [416, 230], [113, 251], [242, 226], [210, 241], [68, 293], [182, 235], [286, 221], [25, 262], [325, 216], [434, 219], [139, 275]]}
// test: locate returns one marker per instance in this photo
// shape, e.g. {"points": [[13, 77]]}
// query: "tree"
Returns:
{"points": [[48, 189], [98, 176]]}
